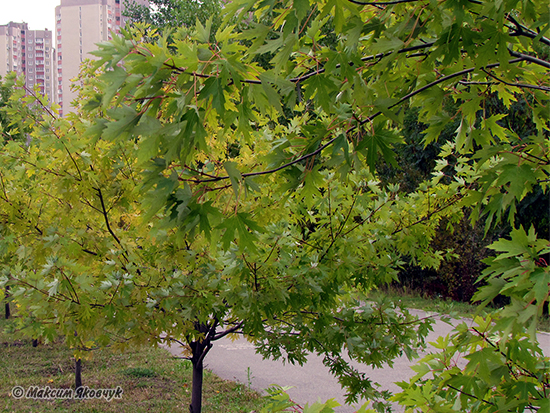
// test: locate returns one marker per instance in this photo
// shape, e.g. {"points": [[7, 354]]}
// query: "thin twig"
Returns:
{"points": [[520, 85]]}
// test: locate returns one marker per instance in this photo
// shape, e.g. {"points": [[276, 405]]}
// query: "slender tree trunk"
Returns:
{"points": [[199, 349], [8, 312], [196, 390], [77, 373]]}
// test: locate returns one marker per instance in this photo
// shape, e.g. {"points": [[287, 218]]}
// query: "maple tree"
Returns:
{"points": [[205, 188]]}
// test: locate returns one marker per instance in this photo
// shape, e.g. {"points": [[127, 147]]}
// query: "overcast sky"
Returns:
{"points": [[39, 14]]}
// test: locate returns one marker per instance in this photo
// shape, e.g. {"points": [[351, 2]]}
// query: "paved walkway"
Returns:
{"points": [[237, 360]]}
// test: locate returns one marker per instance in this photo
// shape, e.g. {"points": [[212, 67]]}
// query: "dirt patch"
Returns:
{"points": [[16, 343]]}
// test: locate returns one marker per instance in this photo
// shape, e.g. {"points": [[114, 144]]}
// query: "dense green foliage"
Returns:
{"points": [[219, 183], [10, 128], [163, 14]]}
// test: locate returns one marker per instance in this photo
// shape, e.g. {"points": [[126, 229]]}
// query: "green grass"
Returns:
{"points": [[152, 380], [409, 299]]}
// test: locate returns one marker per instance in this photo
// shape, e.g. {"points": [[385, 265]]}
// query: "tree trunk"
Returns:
{"points": [[77, 373], [8, 312], [199, 349], [196, 390]]}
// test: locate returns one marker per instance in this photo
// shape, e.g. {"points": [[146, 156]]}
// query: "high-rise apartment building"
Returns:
{"points": [[28, 52], [12, 42], [80, 24], [40, 62]]}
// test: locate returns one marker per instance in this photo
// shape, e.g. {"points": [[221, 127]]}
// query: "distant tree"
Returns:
{"points": [[14, 128], [163, 14], [9, 128]]}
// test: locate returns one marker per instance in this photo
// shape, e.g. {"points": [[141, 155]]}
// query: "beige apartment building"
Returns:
{"points": [[80, 24], [30, 53]]}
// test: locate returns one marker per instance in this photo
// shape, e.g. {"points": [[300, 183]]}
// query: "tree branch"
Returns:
{"points": [[106, 218], [339, 232], [298, 79], [364, 59], [56, 296], [497, 349], [520, 85], [368, 119], [228, 331], [521, 30], [470, 395], [72, 287], [531, 59]]}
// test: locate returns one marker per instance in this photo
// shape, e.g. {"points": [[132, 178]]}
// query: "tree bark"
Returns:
{"points": [[8, 312], [77, 373], [199, 349], [196, 391]]}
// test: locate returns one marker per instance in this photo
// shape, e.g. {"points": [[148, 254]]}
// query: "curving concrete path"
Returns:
{"points": [[237, 360]]}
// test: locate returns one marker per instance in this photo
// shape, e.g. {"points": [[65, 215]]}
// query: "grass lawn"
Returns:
{"points": [[151, 380]]}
